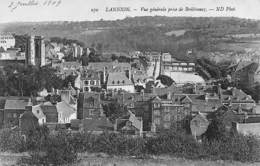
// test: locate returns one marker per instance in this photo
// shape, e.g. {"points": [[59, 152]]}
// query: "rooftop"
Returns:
{"points": [[118, 79]]}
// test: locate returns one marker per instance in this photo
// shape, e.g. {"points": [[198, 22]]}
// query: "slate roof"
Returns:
{"points": [[100, 124], [15, 104], [118, 79], [243, 64], [65, 109], [110, 66]]}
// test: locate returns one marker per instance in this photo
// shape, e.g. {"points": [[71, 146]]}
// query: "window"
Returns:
{"points": [[157, 121], [86, 89], [91, 112], [14, 115], [113, 82], [37, 111], [156, 105], [92, 83], [166, 125], [118, 82], [166, 109], [9, 115], [167, 117], [157, 112], [86, 82], [123, 81]]}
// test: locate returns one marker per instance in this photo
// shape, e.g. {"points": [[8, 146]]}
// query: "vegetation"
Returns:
{"points": [[113, 110], [62, 147], [20, 80], [165, 80]]}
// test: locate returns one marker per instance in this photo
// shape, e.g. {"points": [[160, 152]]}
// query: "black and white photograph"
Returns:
{"points": [[130, 83]]}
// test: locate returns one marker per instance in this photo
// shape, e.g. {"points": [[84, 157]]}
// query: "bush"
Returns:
{"points": [[62, 147], [12, 141], [59, 149]]}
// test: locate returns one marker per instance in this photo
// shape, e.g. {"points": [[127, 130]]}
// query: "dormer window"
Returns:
{"points": [[113, 82], [123, 81], [118, 82]]}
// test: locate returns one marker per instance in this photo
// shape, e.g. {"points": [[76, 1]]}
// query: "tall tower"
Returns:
{"points": [[31, 52], [36, 53]]}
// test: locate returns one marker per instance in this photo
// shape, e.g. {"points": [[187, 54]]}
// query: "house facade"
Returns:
{"points": [[90, 81], [89, 106], [119, 81], [166, 114]]}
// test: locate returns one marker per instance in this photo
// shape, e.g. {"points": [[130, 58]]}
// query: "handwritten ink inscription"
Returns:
{"points": [[29, 3]]}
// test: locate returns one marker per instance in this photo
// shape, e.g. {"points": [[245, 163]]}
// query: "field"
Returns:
{"points": [[7, 159], [240, 46]]}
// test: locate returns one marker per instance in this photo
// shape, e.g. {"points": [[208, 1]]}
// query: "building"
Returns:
{"points": [[67, 68], [247, 128], [34, 48], [119, 81], [90, 81], [65, 112], [105, 68], [167, 113], [245, 74], [13, 108], [7, 41], [170, 64], [238, 100], [51, 113], [181, 72], [77, 50], [89, 106]]}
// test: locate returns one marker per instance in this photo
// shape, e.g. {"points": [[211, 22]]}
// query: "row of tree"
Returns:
{"points": [[21, 80]]}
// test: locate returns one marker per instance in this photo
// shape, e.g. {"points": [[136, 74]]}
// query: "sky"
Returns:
{"points": [[80, 10]]}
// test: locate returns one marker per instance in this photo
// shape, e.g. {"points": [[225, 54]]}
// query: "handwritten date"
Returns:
{"points": [[29, 3]]}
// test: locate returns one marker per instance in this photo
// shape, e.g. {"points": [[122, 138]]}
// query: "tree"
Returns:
{"points": [[113, 110], [217, 130], [165, 80]]}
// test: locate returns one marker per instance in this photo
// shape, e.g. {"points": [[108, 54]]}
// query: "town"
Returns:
{"points": [[62, 85]]}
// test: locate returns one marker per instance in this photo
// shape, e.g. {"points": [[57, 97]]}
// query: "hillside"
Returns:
{"points": [[143, 33]]}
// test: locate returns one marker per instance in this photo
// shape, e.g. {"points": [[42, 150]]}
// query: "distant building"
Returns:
{"points": [[167, 113], [118, 81], [7, 41], [237, 100], [66, 113], [13, 108], [89, 106], [77, 51], [90, 81], [34, 48], [245, 74], [51, 113], [67, 68], [247, 128], [106, 68]]}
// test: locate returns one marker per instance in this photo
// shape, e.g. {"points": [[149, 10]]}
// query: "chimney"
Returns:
{"points": [[104, 75], [29, 105], [206, 97], [169, 96], [219, 92]]}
